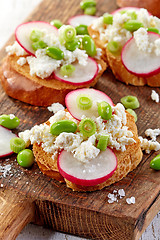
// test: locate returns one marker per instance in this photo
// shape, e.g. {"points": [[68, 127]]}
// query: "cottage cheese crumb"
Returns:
{"points": [[86, 151], [21, 61], [141, 39], [55, 107], [42, 65], [15, 49], [155, 96], [68, 141], [152, 133], [149, 145]]}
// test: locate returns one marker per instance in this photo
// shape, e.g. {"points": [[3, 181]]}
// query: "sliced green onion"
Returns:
{"points": [[84, 102], [87, 3], [35, 35], [9, 122], [17, 144], [87, 127], [152, 29], [71, 46], [107, 18], [130, 102], [67, 70], [66, 33], [114, 47], [103, 142], [81, 29], [57, 23], [132, 112], [55, 53], [122, 11], [25, 158], [132, 25], [63, 126], [39, 45], [89, 45], [133, 15], [90, 11], [104, 110]]}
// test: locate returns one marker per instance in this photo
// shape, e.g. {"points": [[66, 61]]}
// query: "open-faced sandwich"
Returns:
{"points": [[130, 43], [89, 145], [45, 63]]}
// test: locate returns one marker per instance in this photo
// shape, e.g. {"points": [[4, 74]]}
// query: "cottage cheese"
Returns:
{"points": [[42, 65], [141, 39], [152, 133], [86, 151], [149, 145], [55, 107], [15, 49], [21, 61], [155, 96]]}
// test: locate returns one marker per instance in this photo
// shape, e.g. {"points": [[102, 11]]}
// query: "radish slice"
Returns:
{"points": [[5, 137], [140, 63], [81, 19], [91, 173], [95, 95], [81, 75], [23, 31], [130, 9]]}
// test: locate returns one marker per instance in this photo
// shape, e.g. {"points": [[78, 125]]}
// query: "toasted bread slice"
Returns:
{"points": [[127, 161], [117, 67], [19, 84]]}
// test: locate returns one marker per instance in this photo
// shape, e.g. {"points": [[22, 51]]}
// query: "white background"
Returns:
{"points": [[12, 13]]}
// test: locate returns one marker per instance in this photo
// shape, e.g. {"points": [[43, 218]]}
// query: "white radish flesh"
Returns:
{"points": [[95, 95], [140, 63], [81, 19], [23, 31], [5, 136], [91, 173], [81, 75]]}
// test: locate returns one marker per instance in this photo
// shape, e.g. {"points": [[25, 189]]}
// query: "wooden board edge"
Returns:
{"points": [[146, 217]]}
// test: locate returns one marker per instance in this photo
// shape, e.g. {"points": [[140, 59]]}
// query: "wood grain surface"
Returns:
{"points": [[87, 214]]}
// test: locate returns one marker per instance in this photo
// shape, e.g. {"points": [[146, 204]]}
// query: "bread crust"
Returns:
{"points": [[127, 161], [117, 67], [19, 84]]}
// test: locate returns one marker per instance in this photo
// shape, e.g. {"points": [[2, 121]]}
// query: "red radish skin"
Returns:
{"points": [[4, 133], [142, 74], [81, 19], [86, 182], [40, 24], [70, 102], [128, 8], [70, 80]]}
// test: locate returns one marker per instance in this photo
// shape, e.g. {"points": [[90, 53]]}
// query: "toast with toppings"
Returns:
{"points": [[86, 167], [19, 84], [116, 32], [34, 75]]}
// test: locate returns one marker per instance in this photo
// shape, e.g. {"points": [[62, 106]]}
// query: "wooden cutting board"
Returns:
{"points": [[31, 196]]}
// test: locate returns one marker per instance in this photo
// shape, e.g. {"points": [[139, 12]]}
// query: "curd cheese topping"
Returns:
{"points": [[83, 149], [149, 145]]}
